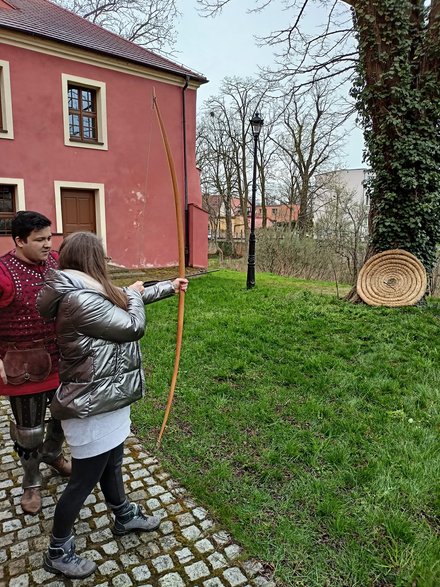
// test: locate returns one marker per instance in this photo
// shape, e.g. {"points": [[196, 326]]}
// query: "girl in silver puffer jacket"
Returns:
{"points": [[98, 327]]}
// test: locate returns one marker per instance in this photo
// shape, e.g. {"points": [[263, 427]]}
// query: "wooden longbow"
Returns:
{"points": [[181, 246]]}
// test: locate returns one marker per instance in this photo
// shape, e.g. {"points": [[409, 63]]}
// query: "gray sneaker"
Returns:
{"points": [[134, 519], [62, 560]]}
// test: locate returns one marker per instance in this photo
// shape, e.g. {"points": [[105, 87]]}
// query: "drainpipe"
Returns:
{"points": [[185, 172]]}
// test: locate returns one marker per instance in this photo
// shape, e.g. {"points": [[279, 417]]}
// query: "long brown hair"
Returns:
{"points": [[84, 252]]}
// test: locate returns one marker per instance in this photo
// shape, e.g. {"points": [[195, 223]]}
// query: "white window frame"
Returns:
{"points": [[6, 101], [101, 111], [98, 188], [18, 183]]}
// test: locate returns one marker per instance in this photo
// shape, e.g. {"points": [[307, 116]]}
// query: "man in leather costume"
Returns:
{"points": [[28, 354]]}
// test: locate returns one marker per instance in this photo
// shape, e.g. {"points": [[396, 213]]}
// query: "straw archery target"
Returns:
{"points": [[392, 278]]}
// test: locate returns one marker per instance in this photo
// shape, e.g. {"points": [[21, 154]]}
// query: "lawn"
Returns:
{"points": [[308, 426]]}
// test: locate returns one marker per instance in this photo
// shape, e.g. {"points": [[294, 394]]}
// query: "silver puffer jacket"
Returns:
{"points": [[100, 361]]}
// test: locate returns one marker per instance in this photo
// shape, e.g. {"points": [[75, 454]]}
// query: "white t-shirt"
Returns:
{"points": [[89, 437]]}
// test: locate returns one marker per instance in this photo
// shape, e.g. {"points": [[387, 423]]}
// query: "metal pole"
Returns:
{"points": [[250, 281]]}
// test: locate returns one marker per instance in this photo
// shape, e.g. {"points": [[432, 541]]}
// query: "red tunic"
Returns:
{"points": [[20, 321]]}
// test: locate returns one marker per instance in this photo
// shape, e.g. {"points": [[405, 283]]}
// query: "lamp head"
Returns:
{"points": [[257, 124]]}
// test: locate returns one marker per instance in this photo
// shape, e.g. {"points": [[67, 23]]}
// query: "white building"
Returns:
{"points": [[350, 182], [340, 203]]}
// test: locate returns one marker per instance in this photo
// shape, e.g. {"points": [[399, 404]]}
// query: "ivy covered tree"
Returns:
{"points": [[397, 92], [390, 50]]}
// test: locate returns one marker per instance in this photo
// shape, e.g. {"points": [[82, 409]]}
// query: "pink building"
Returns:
{"points": [[80, 142], [277, 215]]}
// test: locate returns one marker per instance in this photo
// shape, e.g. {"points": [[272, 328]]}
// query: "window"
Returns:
{"points": [[7, 207], [82, 114], [6, 123], [84, 111], [11, 199]]}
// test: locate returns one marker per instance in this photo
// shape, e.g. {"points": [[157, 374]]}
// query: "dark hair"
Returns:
{"points": [[25, 222], [84, 252]]}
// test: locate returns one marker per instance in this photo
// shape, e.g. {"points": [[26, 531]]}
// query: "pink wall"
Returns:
{"points": [[138, 191], [198, 243]]}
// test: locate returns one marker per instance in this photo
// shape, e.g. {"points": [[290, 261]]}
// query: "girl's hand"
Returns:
{"points": [[180, 284], [137, 286]]}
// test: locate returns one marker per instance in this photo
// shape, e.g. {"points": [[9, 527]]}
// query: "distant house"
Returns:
{"points": [[79, 139], [217, 217], [277, 215]]}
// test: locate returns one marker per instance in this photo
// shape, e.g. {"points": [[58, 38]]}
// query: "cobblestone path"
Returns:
{"points": [[188, 548]]}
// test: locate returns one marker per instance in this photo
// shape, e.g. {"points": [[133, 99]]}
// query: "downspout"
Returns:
{"points": [[185, 172]]}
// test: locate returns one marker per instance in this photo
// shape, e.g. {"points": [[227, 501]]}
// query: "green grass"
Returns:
{"points": [[308, 426]]}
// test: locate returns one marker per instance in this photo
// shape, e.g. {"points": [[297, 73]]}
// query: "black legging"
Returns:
{"points": [[106, 469]]}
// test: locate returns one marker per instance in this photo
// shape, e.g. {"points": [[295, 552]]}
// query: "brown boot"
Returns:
{"points": [[31, 500], [61, 465]]}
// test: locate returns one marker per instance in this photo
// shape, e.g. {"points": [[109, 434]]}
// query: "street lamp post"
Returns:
{"points": [[256, 124]]}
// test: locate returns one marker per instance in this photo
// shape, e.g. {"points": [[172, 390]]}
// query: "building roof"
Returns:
{"points": [[47, 20]]}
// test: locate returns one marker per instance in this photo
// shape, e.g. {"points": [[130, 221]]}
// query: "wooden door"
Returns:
{"points": [[78, 210]]}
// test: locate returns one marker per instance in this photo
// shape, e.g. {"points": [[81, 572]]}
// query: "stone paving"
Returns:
{"points": [[189, 547]]}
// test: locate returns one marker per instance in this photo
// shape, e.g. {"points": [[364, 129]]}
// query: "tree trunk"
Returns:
{"points": [[305, 219]]}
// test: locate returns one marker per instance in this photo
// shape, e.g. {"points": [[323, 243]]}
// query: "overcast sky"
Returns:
{"points": [[225, 46]]}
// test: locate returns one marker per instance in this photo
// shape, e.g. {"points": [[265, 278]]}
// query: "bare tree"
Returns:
{"points": [[232, 108], [287, 181], [342, 221], [267, 159], [310, 137], [212, 205], [301, 136], [331, 52], [216, 159], [149, 23]]}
